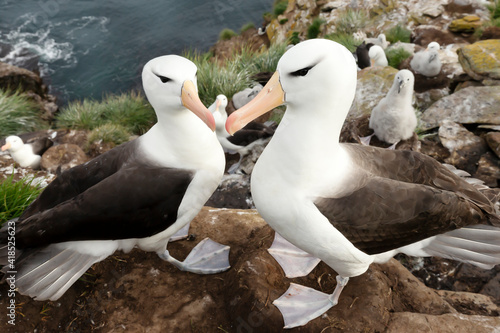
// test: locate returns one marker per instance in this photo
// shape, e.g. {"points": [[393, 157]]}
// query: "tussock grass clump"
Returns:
{"points": [[234, 74], [351, 21], [83, 115], [18, 114], [227, 34], [398, 33], [396, 55], [258, 62], [247, 26], [216, 78], [314, 29], [494, 9], [280, 7], [348, 40], [129, 110], [109, 133], [15, 197]]}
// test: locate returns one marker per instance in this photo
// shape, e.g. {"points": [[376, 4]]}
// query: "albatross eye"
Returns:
{"points": [[163, 79], [301, 72]]}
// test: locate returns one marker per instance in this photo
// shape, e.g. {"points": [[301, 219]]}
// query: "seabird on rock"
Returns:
{"points": [[377, 56], [26, 155], [394, 119], [427, 62], [136, 195], [246, 95], [380, 41], [244, 141], [362, 55], [352, 205]]}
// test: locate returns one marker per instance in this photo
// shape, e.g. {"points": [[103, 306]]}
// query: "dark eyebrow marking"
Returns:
{"points": [[163, 79], [302, 71]]}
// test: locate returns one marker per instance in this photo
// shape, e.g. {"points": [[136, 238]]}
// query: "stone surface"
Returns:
{"points": [[373, 84], [468, 23], [493, 140], [465, 148], [481, 60], [62, 157], [488, 169], [467, 106]]}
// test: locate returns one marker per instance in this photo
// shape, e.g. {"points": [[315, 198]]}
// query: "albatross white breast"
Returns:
{"points": [[138, 194], [352, 205]]}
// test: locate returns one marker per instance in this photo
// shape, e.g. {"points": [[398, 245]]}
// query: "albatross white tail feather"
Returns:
{"points": [[477, 245], [47, 273]]}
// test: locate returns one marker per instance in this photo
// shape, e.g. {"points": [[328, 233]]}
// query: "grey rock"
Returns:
{"points": [[470, 105]]}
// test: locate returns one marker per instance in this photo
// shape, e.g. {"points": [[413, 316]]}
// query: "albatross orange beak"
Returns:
{"points": [[6, 146], [271, 96], [191, 100]]}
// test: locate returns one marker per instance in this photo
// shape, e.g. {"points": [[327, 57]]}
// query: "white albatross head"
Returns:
{"points": [[403, 81], [12, 143], [317, 75], [170, 85]]}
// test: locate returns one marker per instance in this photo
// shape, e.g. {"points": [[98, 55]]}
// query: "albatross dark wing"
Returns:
{"points": [[386, 214], [401, 198], [145, 201]]}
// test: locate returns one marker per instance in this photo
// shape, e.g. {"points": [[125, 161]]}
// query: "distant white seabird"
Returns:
{"points": [[26, 155], [377, 56], [244, 141], [394, 119], [427, 62]]}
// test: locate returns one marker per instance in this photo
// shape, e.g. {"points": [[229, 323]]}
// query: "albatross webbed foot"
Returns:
{"points": [[294, 261], [181, 234], [365, 140], [208, 257], [232, 169], [300, 304], [393, 146]]}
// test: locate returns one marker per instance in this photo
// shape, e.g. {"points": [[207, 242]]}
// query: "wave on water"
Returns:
{"points": [[37, 47]]}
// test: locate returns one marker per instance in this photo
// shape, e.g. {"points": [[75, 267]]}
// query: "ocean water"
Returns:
{"points": [[90, 48]]}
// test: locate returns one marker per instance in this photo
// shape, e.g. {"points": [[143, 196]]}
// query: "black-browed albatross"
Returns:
{"points": [[25, 154], [136, 195], [254, 133], [352, 205]]}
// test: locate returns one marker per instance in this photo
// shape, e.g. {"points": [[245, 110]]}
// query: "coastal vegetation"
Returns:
{"points": [[15, 196], [129, 110], [227, 34], [19, 114], [398, 33]]}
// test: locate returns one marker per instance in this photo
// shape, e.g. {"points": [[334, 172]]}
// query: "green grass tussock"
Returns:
{"points": [[348, 40], [280, 7], [351, 21], [109, 133], [15, 197], [396, 55], [233, 74], [227, 34], [247, 26], [315, 28], [130, 110], [398, 33], [18, 114]]}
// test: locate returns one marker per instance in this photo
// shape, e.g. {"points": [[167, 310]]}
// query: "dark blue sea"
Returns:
{"points": [[89, 48]]}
